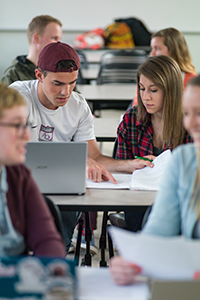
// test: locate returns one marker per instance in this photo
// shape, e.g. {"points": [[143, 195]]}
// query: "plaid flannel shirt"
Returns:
{"points": [[136, 137]]}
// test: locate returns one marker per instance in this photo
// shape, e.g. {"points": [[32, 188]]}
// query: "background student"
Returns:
{"points": [[171, 42], [25, 221], [177, 206], [155, 124], [42, 30]]}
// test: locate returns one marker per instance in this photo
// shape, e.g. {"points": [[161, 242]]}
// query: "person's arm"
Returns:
{"points": [[116, 165], [123, 272], [42, 236]]}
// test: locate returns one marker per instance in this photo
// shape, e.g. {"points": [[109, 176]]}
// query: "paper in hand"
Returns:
{"points": [[166, 258]]}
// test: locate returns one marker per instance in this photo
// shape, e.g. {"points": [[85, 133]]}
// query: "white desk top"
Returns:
{"points": [[107, 92], [97, 284], [105, 129], [105, 200]]}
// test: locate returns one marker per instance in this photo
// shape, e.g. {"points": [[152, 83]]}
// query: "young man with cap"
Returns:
{"points": [[59, 114]]}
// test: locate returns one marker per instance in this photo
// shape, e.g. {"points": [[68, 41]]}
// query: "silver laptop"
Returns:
{"points": [[58, 167]]}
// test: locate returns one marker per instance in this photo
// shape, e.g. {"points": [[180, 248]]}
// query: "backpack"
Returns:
{"points": [[141, 35], [118, 35]]}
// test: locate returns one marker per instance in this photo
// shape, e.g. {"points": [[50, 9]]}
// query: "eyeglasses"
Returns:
{"points": [[20, 127]]}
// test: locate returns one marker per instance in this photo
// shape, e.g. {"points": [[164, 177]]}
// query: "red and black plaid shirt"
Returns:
{"points": [[136, 137]]}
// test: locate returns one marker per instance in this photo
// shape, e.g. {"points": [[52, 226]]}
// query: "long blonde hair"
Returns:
{"points": [[196, 204], [165, 73], [175, 42]]}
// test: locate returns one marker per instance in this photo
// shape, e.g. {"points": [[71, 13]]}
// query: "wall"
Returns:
{"points": [[87, 14], [79, 16]]}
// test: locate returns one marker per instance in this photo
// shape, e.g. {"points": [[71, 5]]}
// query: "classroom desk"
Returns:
{"points": [[105, 129], [104, 200], [107, 93]]}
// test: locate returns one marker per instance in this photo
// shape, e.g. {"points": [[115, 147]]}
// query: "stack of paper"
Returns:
{"points": [[149, 178], [143, 179]]}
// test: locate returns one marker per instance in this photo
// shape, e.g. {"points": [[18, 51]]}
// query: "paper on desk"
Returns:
{"points": [[143, 179], [165, 258], [97, 284], [123, 182], [149, 178]]}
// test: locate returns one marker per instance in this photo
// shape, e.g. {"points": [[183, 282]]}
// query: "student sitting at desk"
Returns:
{"points": [[25, 221], [59, 114], [42, 30], [156, 123], [177, 206], [171, 42]]}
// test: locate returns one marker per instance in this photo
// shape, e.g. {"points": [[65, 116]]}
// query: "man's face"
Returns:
{"points": [[55, 89], [51, 34]]}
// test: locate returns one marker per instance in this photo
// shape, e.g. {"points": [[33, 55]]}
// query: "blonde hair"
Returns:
{"points": [[165, 73], [196, 82], [196, 187], [176, 44], [38, 24], [9, 98]]}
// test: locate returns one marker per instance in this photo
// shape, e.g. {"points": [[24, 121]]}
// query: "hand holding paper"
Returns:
{"points": [[167, 258]]}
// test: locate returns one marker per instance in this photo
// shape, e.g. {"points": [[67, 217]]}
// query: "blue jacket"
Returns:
{"points": [[172, 212]]}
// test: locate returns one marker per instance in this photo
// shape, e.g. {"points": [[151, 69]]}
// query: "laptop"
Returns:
{"points": [[58, 167], [31, 277]]}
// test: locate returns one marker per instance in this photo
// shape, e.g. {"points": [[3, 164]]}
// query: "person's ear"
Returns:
{"points": [[36, 38], [39, 75]]}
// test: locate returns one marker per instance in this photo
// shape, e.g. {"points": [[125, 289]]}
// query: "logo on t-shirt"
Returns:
{"points": [[46, 133]]}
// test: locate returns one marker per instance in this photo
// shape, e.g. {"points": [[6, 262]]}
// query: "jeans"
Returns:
{"points": [[69, 219]]}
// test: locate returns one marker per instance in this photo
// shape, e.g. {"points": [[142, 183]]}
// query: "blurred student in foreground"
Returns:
{"points": [[177, 206], [25, 221]]}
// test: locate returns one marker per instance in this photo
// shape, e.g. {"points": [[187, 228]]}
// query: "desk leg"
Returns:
{"points": [[102, 241], [88, 238]]}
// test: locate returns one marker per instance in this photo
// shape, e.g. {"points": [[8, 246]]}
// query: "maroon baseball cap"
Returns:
{"points": [[52, 53]]}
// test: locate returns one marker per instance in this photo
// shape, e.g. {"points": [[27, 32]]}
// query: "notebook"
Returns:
{"points": [[58, 167], [31, 277]]}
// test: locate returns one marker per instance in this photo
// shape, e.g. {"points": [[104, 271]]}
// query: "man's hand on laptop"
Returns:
{"points": [[97, 172]]}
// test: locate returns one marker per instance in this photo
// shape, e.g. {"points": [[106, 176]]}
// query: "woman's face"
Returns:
{"points": [[158, 47], [191, 107], [151, 95], [12, 139]]}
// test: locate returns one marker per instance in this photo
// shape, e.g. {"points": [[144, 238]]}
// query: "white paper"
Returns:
{"points": [[123, 182], [97, 284], [149, 178], [165, 258]]}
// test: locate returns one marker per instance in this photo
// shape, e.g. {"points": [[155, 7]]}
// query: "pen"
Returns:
{"points": [[144, 158]]}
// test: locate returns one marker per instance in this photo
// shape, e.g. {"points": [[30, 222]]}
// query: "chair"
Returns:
{"points": [[55, 211], [83, 65], [119, 66], [83, 60], [56, 214]]}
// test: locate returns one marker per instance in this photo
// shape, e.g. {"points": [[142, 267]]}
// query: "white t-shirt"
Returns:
{"points": [[73, 121]]}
